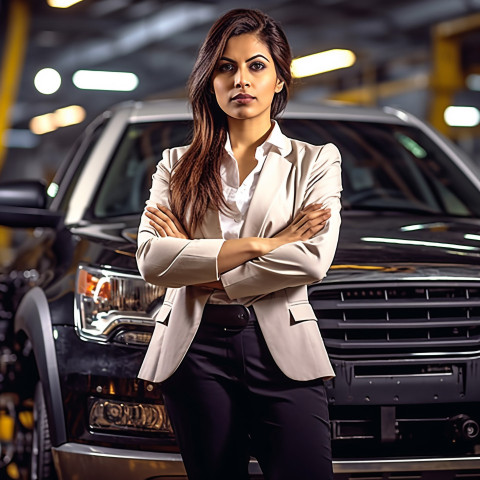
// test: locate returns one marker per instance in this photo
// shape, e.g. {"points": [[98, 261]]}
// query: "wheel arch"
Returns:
{"points": [[33, 319]]}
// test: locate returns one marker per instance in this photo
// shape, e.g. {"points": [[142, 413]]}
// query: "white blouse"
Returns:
{"points": [[238, 197]]}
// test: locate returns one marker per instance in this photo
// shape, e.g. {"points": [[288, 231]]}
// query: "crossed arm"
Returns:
{"points": [[236, 252], [300, 254]]}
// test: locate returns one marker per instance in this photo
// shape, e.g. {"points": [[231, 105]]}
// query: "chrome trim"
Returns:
{"points": [[79, 461], [406, 375], [406, 464], [336, 302], [127, 318], [104, 336], [73, 460]]}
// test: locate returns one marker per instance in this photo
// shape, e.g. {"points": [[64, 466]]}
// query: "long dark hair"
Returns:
{"points": [[196, 183]]}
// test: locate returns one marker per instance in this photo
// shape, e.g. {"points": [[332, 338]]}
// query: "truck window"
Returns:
{"points": [[125, 187]]}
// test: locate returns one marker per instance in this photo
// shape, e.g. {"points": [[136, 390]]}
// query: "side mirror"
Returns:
{"points": [[23, 204]]}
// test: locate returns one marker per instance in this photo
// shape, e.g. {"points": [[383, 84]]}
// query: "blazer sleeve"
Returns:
{"points": [[167, 261], [298, 263]]}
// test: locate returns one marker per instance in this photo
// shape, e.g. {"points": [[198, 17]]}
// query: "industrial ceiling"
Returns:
{"points": [[158, 41]]}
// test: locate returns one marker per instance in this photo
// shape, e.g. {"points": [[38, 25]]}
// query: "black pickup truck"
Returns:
{"points": [[399, 309]]}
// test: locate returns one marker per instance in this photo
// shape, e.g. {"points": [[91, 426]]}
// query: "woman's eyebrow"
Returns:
{"points": [[248, 60], [259, 55]]}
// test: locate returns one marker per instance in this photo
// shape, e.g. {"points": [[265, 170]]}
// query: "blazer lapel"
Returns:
{"points": [[273, 174]]}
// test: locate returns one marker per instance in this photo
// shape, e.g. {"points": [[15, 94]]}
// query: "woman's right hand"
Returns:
{"points": [[306, 224], [165, 223]]}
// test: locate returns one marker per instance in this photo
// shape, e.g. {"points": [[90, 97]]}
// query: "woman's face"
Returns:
{"points": [[245, 79]]}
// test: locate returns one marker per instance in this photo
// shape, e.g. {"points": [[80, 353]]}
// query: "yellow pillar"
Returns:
{"points": [[12, 62], [10, 73], [446, 79], [447, 73]]}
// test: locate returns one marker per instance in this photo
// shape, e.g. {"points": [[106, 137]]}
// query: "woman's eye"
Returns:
{"points": [[257, 66], [226, 67]]}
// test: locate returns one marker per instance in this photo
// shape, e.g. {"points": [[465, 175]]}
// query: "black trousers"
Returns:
{"points": [[228, 400]]}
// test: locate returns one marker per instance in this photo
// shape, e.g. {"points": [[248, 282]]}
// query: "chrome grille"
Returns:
{"points": [[371, 320]]}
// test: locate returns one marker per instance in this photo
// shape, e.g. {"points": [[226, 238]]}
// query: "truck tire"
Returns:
{"points": [[41, 467]]}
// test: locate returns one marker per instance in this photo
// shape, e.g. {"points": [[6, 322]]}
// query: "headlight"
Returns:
{"points": [[106, 300], [116, 415]]}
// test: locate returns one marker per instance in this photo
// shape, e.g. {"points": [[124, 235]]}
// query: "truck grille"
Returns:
{"points": [[398, 320]]}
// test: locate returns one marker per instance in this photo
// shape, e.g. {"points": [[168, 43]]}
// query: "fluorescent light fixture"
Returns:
{"points": [[401, 241], [461, 116], [322, 62], [69, 115], [47, 81], [63, 117], [472, 236], [43, 124], [99, 80], [62, 3], [473, 82]]}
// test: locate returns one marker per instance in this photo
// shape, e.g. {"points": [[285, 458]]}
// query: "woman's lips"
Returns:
{"points": [[243, 98]]}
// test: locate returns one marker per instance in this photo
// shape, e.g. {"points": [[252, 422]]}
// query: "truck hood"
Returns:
{"points": [[372, 244], [397, 246]]}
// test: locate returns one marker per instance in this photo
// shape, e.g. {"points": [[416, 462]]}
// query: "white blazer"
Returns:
{"points": [[275, 284]]}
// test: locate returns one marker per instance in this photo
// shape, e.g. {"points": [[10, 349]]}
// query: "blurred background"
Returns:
{"points": [[64, 62], [421, 55]]}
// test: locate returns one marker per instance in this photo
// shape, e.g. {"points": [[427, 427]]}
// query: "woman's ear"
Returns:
{"points": [[279, 85]]}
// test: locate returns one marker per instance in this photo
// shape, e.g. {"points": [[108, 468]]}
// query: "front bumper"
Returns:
{"points": [[74, 460]]}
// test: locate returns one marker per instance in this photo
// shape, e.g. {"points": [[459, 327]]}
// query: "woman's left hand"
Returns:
{"points": [[165, 223]]}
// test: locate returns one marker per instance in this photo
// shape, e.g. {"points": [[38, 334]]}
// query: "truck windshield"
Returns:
{"points": [[385, 167]]}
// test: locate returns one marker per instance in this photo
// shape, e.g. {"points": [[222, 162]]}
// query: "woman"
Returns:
{"points": [[237, 224]]}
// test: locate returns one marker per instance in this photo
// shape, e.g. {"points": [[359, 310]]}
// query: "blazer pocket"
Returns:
{"points": [[302, 312], [161, 316]]}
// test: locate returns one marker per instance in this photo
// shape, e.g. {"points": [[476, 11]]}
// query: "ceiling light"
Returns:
{"points": [[98, 80], [69, 115], [62, 3], [62, 117], [322, 62], [43, 124], [47, 81], [462, 116]]}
